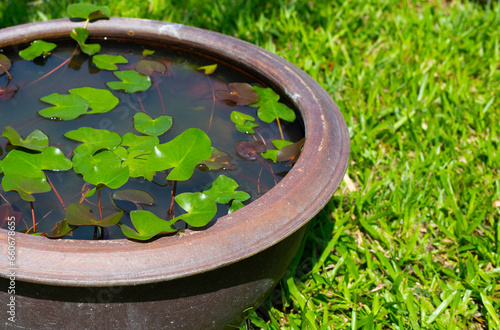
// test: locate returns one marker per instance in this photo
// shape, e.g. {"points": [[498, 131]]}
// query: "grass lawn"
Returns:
{"points": [[412, 238]]}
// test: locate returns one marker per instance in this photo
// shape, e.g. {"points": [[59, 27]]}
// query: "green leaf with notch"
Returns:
{"points": [[199, 207], [81, 35], [209, 69], [223, 190], [139, 143], [244, 123], [93, 140], [66, 107], [272, 154], [78, 214], [131, 81], [182, 154], [104, 168], [137, 163], [37, 48], [88, 11], [108, 62], [36, 140], [144, 124], [271, 110], [147, 226], [25, 186], [100, 100], [235, 205], [265, 95]]}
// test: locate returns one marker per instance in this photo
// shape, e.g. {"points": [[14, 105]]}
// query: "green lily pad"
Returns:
{"points": [[100, 100], [104, 168], [37, 48], [135, 196], [209, 69], [66, 107], [235, 205], [61, 229], [31, 164], [243, 122], [78, 214], [139, 143], [36, 140], [182, 154], [88, 11], [131, 81], [137, 163], [93, 140], [271, 110], [223, 190], [147, 226], [25, 186], [199, 207], [265, 95], [219, 160], [147, 52], [144, 124], [5, 64], [272, 154], [149, 67], [81, 35], [108, 62]]}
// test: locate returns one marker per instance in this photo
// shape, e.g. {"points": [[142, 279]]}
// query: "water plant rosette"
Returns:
{"points": [[204, 278]]}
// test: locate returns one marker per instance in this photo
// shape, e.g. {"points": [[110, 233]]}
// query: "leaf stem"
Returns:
{"points": [[55, 191], [99, 202], [159, 94], [53, 70], [6, 71], [213, 102], [171, 209], [279, 126], [33, 216]]}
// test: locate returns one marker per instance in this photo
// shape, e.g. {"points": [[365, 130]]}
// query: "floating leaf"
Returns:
{"points": [[134, 195], [235, 205], [183, 153], [270, 110], [139, 143], [199, 207], [5, 64], [223, 190], [241, 94], [37, 48], [93, 140], [272, 154], [209, 69], [8, 92], [154, 127], [104, 168], [290, 152], [137, 163], [147, 225], [78, 214], [219, 160], [36, 140], [88, 11], [148, 67], [147, 52], [108, 62], [244, 123], [25, 186], [131, 81], [249, 149], [100, 100], [81, 35], [265, 95], [61, 229], [31, 164], [66, 107]]}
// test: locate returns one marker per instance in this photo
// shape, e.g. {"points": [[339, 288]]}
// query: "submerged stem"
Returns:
{"points": [[171, 209], [159, 94], [33, 216], [6, 71], [55, 191], [279, 126]]}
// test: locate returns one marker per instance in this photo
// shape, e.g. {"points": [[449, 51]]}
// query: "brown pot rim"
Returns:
{"points": [[280, 212]]}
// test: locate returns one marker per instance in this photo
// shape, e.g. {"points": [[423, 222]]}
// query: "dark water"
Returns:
{"points": [[187, 95]]}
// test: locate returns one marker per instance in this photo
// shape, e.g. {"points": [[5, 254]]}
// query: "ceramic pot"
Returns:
{"points": [[206, 278]]}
